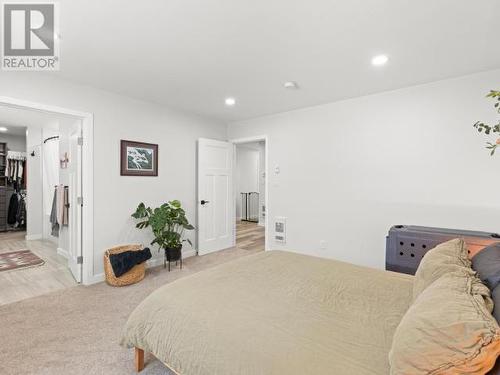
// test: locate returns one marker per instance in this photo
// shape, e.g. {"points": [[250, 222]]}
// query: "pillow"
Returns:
{"points": [[448, 330], [487, 265], [447, 257], [495, 295]]}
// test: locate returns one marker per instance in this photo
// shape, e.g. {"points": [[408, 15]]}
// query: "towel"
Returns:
{"points": [[53, 216]]}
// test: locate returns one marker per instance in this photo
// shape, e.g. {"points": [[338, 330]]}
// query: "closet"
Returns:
{"points": [[12, 189]]}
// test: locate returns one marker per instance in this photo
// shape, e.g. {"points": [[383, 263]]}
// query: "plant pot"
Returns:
{"points": [[173, 254]]}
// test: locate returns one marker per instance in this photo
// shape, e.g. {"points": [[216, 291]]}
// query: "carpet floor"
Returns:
{"points": [[76, 330]]}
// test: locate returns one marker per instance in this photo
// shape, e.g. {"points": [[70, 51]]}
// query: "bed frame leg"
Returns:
{"points": [[139, 360]]}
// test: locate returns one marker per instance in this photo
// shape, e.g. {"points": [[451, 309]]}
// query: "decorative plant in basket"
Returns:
{"points": [[168, 223], [489, 129]]}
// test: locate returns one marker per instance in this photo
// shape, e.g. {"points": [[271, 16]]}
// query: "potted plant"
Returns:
{"points": [[168, 223], [491, 129]]}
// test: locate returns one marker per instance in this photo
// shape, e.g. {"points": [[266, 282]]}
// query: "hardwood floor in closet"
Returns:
{"points": [[20, 284]]}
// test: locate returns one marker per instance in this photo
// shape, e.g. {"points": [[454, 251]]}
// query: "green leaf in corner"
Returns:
{"points": [[167, 222]]}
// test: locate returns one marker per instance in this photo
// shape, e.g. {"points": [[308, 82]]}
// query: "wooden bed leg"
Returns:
{"points": [[139, 360]]}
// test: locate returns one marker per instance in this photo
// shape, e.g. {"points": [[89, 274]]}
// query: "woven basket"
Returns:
{"points": [[133, 276]]}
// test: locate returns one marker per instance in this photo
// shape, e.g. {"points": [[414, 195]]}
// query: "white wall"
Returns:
{"points": [[50, 178], [14, 142], [351, 169], [34, 197], [262, 183], [118, 117], [66, 128]]}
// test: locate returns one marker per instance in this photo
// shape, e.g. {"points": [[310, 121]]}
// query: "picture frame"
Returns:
{"points": [[138, 158]]}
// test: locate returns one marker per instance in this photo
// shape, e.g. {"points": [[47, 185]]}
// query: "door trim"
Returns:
{"points": [[257, 138], [88, 276]]}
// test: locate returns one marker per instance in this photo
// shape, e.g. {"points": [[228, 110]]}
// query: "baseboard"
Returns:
{"points": [[62, 252], [189, 253], [54, 240], [158, 260], [33, 237], [154, 262], [99, 278]]}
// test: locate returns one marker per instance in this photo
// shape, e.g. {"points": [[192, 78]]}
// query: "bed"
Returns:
{"points": [[280, 312], [273, 313]]}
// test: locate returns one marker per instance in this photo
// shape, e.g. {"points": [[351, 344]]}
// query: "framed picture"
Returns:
{"points": [[138, 159]]}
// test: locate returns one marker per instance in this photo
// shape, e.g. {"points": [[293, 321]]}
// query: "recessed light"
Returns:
{"points": [[3, 129], [230, 102], [291, 85], [380, 60]]}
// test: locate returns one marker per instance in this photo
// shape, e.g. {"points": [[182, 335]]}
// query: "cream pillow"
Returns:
{"points": [[449, 329], [446, 257]]}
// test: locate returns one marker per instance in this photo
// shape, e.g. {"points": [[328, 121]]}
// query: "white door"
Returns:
{"points": [[75, 258], [215, 196]]}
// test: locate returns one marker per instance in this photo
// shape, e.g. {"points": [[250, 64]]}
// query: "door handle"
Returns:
{"points": [[203, 201]]}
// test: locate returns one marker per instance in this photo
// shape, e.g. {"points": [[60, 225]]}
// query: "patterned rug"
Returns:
{"points": [[19, 259]]}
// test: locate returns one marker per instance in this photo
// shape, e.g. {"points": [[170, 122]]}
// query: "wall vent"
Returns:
{"points": [[280, 229]]}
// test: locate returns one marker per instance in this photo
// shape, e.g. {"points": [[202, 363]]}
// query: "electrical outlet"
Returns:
{"points": [[323, 245]]}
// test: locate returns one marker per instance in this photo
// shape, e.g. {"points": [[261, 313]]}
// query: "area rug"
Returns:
{"points": [[19, 259]]}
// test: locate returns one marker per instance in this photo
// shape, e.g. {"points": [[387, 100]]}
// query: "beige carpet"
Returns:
{"points": [[76, 330]]}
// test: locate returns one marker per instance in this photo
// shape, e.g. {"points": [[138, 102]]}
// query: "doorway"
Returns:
{"points": [[250, 196], [52, 189], [224, 218]]}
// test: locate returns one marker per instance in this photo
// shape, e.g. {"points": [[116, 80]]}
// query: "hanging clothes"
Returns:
{"points": [[62, 209], [13, 208], [14, 169], [21, 211], [20, 168], [53, 216]]}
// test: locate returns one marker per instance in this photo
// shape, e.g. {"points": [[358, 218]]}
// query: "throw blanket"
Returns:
{"points": [[124, 262]]}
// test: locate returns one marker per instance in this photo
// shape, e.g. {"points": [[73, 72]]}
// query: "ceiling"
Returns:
{"points": [[17, 120], [191, 54]]}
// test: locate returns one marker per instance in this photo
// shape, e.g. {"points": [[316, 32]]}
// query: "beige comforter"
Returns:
{"points": [[273, 313]]}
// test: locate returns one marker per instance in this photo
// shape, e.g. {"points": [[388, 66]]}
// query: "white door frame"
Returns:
{"points": [[87, 175], [257, 138]]}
